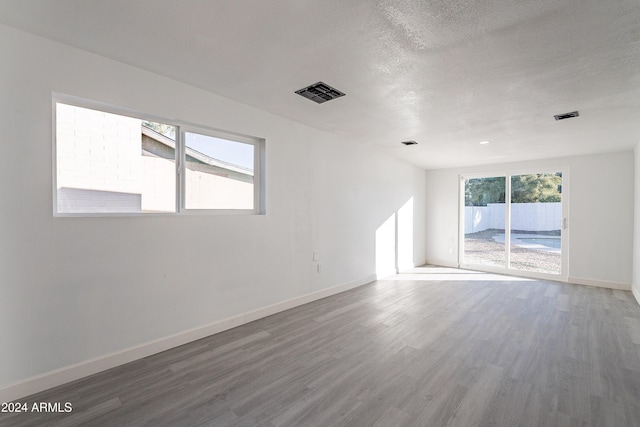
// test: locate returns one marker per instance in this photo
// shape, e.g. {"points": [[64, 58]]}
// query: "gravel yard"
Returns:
{"points": [[481, 249]]}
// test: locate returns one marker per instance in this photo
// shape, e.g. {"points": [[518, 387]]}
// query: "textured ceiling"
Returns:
{"points": [[447, 74]]}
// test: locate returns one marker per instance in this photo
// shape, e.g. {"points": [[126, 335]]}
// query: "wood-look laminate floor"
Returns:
{"points": [[439, 347]]}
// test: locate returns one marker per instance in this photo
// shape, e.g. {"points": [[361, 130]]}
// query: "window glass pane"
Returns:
{"points": [[108, 163], [484, 217], [219, 173], [536, 218]]}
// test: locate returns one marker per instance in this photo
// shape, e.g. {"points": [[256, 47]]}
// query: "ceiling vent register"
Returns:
{"points": [[566, 115], [320, 92]]}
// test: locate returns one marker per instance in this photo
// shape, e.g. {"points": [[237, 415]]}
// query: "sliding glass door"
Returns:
{"points": [[484, 221], [535, 243], [514, 223]]}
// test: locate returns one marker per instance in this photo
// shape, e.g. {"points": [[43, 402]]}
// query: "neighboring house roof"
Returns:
{"points": [[200, 157]]}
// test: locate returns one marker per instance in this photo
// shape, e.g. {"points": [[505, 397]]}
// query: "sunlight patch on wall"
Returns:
{"points": [[394, 242]]}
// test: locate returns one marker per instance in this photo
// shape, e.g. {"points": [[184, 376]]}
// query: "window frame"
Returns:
{"points": [[508, 174], [181, 127]]}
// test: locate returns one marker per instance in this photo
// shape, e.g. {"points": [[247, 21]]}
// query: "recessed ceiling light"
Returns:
{"points": [[484, 142], [409, 142]]}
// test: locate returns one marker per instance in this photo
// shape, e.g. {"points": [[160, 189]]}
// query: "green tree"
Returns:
{"points": [[162, 128], [532, 188], [481, 191], [536, 188]]}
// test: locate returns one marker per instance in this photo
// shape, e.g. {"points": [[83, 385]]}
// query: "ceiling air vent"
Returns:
{"points": [[320, 92], [566, 115], [409, 143]]}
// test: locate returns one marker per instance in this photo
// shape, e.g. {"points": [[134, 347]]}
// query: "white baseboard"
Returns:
{"points": [[600, 283], [636, 293], [92, 366], [442, 263], [575, 280]]}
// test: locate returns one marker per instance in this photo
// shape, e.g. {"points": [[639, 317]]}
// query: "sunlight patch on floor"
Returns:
{"points": [[434, 273]]}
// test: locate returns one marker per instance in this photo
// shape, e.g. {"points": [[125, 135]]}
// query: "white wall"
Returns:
{"points": [[98, 151], [73, 289], [636, 233], [600, 189]]}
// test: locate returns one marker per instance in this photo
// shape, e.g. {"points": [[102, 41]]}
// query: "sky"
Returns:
{"points": [[236, 153], [233, 152]]}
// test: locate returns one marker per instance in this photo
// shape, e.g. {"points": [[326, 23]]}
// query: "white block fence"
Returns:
{"points": [[524, 216]]}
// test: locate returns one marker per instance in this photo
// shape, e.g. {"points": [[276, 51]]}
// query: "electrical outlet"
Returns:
{"points": [[319, 268]]}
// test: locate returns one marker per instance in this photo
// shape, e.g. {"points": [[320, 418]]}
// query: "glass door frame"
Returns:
{"points": [[564, 228]]}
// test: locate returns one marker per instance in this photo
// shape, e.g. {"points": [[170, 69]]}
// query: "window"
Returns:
{"points": [[218, 172], [110, 163]]}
